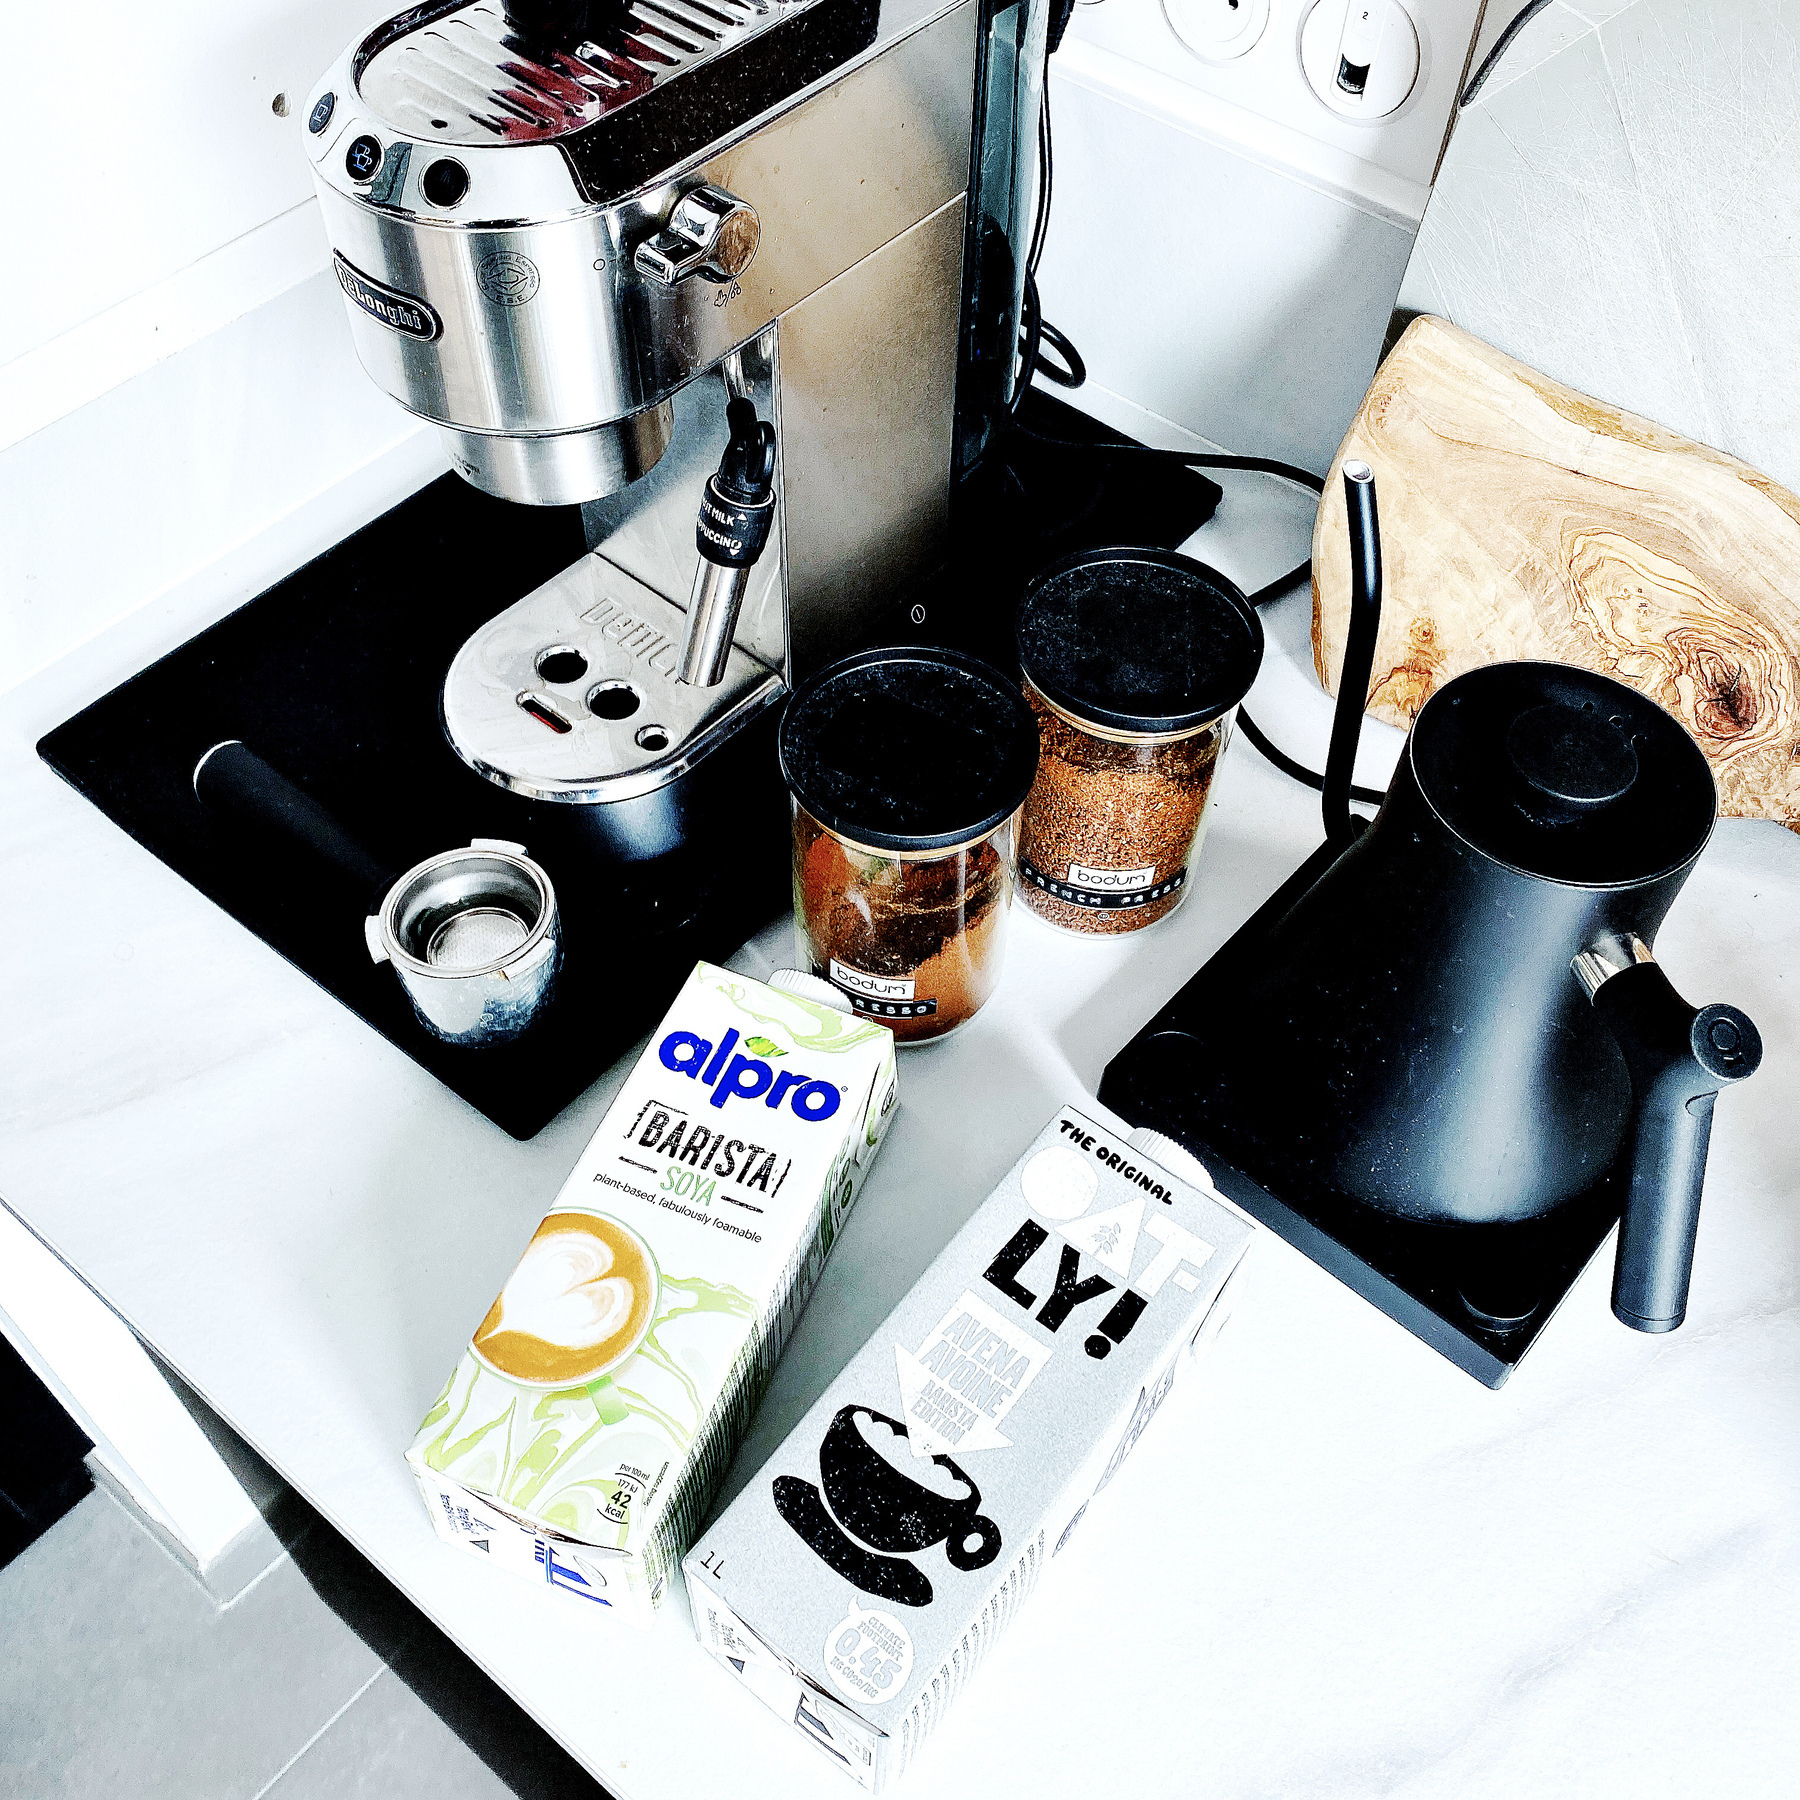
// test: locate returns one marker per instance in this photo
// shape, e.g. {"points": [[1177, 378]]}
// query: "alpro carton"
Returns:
{"points": [[583, 1433], [859, 1579]]}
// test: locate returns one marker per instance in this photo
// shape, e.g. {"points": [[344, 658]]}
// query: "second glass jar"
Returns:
{"points": [[1113, 820], [1134, 662]]}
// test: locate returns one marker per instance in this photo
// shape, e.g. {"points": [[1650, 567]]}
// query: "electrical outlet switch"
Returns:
{"points": [[1360, 57]]}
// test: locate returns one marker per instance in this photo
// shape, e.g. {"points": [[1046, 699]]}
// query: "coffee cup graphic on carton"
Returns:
{"points": [[869, 1512]]}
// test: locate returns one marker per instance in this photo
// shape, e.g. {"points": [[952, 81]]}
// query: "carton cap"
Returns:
{"points": [[1179, 1161], [808, 987]]}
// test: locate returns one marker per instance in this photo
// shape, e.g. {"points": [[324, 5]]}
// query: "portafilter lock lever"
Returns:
{"points": [[735, 513], [1679, 1057], [472, 933], [1359, 650]]}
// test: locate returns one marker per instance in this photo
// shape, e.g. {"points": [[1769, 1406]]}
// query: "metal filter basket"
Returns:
{"points": [[473, 936]]}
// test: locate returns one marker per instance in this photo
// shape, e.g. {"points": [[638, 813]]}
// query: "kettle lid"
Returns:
{"points": [[1564, 774]]}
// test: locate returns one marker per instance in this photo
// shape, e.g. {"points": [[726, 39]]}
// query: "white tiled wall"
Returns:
{"points": [[1252, 319], [176, 373], [120, 501], [142, 139], [1621, 209], [1224, 251]]}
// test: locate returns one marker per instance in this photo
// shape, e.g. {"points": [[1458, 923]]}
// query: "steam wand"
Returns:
{"points": [[1359, 651], [735, 513]]}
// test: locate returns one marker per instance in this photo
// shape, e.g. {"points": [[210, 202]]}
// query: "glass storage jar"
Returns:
{"points": [[906, 767], [1134, 663]]}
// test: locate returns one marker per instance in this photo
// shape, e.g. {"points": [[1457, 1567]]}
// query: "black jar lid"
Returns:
{"points": [[1139, 640], [909, 749], [1563, 773]]}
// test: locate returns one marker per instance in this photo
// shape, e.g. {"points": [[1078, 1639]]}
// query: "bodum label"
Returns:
{"points": [[873, 987], [881, 996], [1111, 881], [1082, 895]]}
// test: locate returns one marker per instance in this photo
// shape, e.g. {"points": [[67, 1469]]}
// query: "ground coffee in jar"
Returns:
{"points": [[906, 767], [1134, 663]]}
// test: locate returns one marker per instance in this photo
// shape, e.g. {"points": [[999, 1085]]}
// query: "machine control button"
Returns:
{"points": [[710, 233], [320, 115], [363, 158], [445, 182]]}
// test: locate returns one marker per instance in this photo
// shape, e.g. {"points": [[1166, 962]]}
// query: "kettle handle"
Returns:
{"points": [[1679, 1057]]}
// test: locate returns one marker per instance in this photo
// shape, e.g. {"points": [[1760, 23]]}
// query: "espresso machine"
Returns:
{"points": [[706, 268], [714, 302]]}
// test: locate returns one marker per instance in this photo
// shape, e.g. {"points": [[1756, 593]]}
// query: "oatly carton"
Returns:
{"points": [[581, 1437], [857, 1581]]}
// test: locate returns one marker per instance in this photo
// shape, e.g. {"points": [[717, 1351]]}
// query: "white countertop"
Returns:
{"points": [[1339, 1567]]}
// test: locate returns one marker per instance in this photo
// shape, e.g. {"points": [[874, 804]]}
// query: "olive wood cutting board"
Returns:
{"points": [[1523, 520]]}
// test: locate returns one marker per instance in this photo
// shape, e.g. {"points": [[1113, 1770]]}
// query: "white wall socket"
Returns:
{"points": [[1264, 75], [1218, 31]]}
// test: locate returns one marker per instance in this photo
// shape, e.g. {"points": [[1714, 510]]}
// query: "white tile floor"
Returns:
{"points": [[120, 1677]]}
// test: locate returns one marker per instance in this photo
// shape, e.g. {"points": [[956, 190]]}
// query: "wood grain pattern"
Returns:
{"points": [[1520, 519]]}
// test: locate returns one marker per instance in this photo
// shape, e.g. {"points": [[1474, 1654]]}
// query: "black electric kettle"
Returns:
{"points": [[1459, 1021]]}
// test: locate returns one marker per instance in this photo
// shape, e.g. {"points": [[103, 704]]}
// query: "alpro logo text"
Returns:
{"points": [[733, 1075]]}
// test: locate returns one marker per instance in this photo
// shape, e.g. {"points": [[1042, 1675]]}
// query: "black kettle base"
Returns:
{"points": [[1477, 1294]]}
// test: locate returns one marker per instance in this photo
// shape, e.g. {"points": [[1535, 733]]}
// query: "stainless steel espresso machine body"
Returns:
{"points": [[605, 244]]}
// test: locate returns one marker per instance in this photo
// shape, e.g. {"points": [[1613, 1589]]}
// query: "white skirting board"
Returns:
{"points": [[149, 1449]]}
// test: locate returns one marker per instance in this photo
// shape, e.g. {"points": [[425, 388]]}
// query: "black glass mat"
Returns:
{"points": [[333, 677], [1478, 1294], [1030, 503]]}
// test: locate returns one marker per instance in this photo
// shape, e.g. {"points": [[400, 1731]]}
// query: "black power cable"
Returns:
{"points": [[1035, 331], [1501, 45]]}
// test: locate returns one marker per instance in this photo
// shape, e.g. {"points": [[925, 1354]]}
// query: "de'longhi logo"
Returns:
{"points": [[507, 277]]}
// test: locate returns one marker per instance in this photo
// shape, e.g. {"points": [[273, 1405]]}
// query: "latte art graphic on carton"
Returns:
{"points": [[578, 1303], [584, 1430]]}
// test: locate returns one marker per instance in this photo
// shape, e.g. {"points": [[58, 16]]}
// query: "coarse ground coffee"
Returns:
{"points": [[1134, 663], [1112, 822]]}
